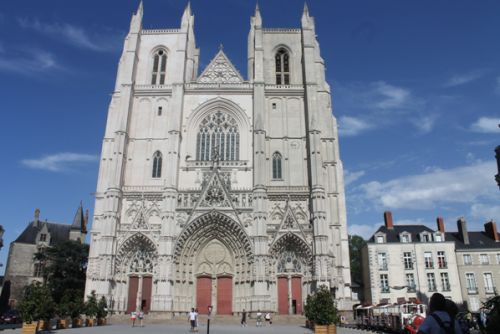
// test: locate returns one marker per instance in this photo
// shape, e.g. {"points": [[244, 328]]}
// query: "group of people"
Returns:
{"points": [[137, 315], [258, 322], [193, 320]]}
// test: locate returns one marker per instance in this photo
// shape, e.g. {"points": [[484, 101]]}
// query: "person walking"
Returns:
{"points": [[439, 320], [243, 318], [258, 323], [196, 322], [268, 319], [192, 319], [140, 315], [133, 316]]}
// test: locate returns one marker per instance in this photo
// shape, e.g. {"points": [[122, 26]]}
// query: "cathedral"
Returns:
{"points": [[215, 189]]}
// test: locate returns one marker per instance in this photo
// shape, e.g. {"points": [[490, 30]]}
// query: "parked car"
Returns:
{"points": [[11, 317]]}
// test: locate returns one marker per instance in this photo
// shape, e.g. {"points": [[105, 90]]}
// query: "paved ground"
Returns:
{"points": [[180, 329]]}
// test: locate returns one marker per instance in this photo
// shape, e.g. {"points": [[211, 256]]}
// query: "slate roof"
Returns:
{"points": [[476, 240], [58, 233], [393, 234]]}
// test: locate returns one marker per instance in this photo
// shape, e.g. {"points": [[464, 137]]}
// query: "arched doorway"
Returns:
{"points": [[137, 261], [292, 259], [213, 259]]}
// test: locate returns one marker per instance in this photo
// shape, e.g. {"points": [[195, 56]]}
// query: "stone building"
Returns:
{"points": [[22, 268], [409, 262], [214, 189], [478, 260]]}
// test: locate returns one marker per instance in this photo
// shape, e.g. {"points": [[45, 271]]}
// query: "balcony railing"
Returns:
{"points": [[442, 264], [489, 290], [429, 265], [385, 289], [432, 289], [446, 288], [472, 291], [383, 267]]}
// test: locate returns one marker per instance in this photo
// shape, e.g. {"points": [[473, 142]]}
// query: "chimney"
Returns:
{"points": [[440, 224], [36, 218], [388, 220], [462, 230], [491, 230]]}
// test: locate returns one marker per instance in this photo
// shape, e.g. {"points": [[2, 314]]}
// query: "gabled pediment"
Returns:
{"points": [[220, 70]]}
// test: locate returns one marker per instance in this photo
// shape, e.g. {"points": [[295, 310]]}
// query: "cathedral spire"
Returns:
{"points": [[307, 21], [257, 19], [186, 16], [136, 21]]}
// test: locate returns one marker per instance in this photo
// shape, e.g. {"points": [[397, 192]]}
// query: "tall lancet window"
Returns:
{"points": [[282, 67], [277, 175], [159, 68], [157, 160], [218, 138]]}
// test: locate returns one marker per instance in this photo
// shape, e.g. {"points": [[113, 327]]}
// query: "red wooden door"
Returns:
{"points": [[133, 284], [147, 284], [297, 294], [282, 295], [203, 294], [224, 295]]}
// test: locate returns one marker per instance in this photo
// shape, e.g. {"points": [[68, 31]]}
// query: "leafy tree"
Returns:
{"points": [[102, 308], [493, 323], [4, 297], [37, 303], [356, 243], [91, 306], [320, 308], [65, 267], [71, 304]]}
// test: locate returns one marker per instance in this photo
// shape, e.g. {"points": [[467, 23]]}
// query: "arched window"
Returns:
{"points": [[218, 138], [159, 68], [277, 166], [282, 67], [157, 159]]}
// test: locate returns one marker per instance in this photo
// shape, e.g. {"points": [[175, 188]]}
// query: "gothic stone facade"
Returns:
{"points": [[215, 190]]}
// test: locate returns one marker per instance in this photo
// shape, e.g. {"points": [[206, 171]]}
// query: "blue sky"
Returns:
{"points": [[416, 91]]}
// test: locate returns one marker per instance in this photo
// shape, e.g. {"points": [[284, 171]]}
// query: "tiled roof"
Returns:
{"points": [[58, 233], [476, 240], [392, 235]]}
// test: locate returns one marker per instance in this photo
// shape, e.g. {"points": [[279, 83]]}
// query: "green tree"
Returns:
{"points": [[356, 243], [91, 305], [493, 323], [65, 267], [4, 297], [37, 303], [320, 308]]}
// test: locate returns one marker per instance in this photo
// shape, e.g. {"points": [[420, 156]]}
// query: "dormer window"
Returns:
{"points": [[43, 237], [425, 237], [438, 237], [405, 237], [380, 238]]}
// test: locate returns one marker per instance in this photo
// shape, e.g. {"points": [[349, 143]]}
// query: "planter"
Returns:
{"points": [[43, 325], [332, 329], [320, 329], [63, 324], [29, 328], [101, 321], [90, 322], [77, 322]]}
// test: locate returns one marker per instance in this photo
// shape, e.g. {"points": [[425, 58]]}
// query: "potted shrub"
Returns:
{"points": [[69, 308], [76, 309], [102, 311], [37, 306], [91, 309], [321, 310]]}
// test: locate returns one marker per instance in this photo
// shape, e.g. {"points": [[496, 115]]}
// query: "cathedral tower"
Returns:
{"points": [[216, 190]]}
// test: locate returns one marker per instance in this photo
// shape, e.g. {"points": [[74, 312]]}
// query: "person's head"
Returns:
{"points": [[451, 308], [192, 309], [437, 303], [243, 310]]}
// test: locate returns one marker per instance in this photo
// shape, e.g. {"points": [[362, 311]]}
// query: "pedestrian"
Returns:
{"points": [[268, 319], [141, 317], [192, 319], [258, 323], [243, 318], [196, 322], [133, 316], [439, 321]]}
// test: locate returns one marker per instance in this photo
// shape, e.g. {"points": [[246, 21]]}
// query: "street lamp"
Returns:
{"points": [[497, 150]]}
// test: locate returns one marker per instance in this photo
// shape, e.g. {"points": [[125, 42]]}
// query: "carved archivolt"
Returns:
{"points": [[291, 254], [138, 254], [213, 244]]}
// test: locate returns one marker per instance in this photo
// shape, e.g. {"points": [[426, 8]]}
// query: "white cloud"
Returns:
{"points": [[28, 63], [352, 126], [463, 184], [464, 78], [485, 212], [350, 177], [390, 96], [365, 231], [486, 125], [74, 35], [425, 124], [58, 162]]}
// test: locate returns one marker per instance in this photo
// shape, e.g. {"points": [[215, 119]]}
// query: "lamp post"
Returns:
{"points": [[497, 151], [208, 320]]}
